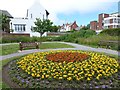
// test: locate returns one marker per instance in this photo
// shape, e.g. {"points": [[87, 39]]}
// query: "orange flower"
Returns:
{"points": [[67, 56]]}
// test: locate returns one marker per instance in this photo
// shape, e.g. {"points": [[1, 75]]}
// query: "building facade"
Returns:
{"points": [[26, 24], [113, 21], [93, 25], [101, 20], [106, 21], [68, 27]]}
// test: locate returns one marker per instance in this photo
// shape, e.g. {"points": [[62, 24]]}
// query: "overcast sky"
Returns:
{"points": [[63, 11]]}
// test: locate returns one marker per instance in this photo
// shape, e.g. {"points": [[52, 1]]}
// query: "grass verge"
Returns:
{"points": [[9, 49]]}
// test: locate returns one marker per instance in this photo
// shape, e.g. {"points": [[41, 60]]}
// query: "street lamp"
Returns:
{"points": [[11, 28], [11, 25]]}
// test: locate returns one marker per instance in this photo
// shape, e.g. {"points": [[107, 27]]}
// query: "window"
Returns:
{"points": [[115, 20], [20, 27], [23, 27], [15, 27], [118, 20]]}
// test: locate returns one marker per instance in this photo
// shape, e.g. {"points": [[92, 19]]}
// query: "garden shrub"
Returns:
{"points": [[16, 39], [111, 32], [71, 37], [11, 39], [94, 40]]}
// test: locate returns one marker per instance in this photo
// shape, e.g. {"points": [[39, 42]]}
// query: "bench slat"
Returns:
{"points": [[28, 44], [107, 44]]}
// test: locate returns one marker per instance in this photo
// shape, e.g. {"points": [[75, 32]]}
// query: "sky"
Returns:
{"points": [[64, 11]]}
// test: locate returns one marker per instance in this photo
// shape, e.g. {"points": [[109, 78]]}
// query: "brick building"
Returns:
{"points": [[106, 21], [93, 25], [101, 20], [74, 25]]}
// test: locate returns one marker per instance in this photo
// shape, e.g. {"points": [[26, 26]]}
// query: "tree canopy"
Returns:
{"points": [[4, 25], [54, 28], [42, 26]]}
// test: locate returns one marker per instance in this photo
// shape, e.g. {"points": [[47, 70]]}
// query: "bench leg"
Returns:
{"points": [[21, 48], [37, 47]]}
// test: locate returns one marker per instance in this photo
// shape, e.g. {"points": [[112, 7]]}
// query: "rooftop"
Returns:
{"points": [[5, 12]]}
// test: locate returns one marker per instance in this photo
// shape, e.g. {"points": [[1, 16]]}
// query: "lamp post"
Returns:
{"points": [[11, 27]]}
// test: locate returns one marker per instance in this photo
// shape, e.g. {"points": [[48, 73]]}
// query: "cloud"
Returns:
{"points": [[18, 7], [71, 6]]}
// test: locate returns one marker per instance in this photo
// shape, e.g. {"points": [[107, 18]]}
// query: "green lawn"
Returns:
{"points": [[54, 45], [9, 49]]}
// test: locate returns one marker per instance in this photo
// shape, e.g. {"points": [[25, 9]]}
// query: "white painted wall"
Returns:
{"points": [[112, 16], [19, 21], [65, 29], [35, 11]]}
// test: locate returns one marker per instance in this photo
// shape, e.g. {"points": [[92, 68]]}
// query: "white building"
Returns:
{"points": [[113, 21], [65, 27], [25, 25], [68, 27]]}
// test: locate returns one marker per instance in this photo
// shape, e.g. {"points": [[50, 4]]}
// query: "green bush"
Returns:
{"points": [[11, 39], [94, 40], [71, 37], [111, 32], [15, 39]]}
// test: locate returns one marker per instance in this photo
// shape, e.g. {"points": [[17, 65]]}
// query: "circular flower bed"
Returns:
{"points": [[64, 68]]}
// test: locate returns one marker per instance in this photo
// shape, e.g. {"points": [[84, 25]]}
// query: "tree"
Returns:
{"points": [[4, 25], [84, 28], [88, 26], [54, 28], [42, 26]]}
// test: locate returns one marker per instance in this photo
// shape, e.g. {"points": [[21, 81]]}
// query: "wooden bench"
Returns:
{"points": [[107, 44], [24, 45]]}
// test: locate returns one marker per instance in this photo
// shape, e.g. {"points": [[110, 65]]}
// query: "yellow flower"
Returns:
{"points": [[77, 79], [42, 76], [116, 70], [60, 78], [69, 78], [28, 72], [97, 77], [88, 79], [46, 76], [54, 76], [73, 68], [33, 74], [64, 76], [75, 71], [38, 75], [89, 75], [70, 74]]}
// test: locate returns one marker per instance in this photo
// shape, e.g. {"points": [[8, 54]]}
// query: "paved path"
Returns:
{"points": [[77, 47]]}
